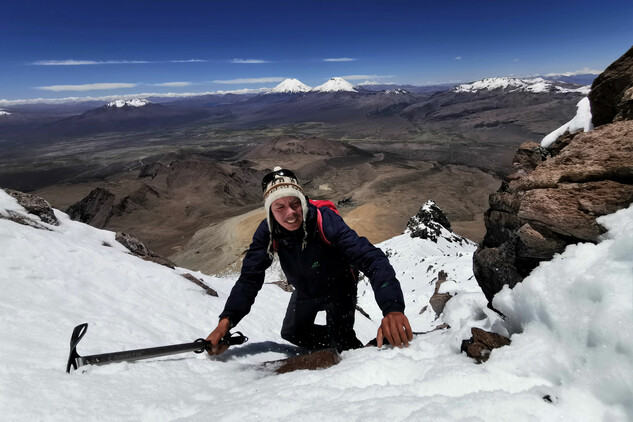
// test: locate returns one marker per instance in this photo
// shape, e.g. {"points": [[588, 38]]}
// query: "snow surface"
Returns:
{"points": [[334, 85], [571, 320], [292, 86], [134, 102], [581, 121], [536, 85]]}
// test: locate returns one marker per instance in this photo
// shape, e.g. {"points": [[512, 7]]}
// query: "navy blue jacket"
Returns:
{"points": [[319, 270]]}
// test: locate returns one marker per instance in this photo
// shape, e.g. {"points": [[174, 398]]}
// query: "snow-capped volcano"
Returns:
{"points": [[536, 85], [335, 84], [135, 102], [291, 86]]}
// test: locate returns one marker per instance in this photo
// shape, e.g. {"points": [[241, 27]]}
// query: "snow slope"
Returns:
{"points": [[572, 321]]}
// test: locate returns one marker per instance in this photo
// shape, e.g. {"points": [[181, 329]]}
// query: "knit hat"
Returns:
{"points": [[279, 184]]}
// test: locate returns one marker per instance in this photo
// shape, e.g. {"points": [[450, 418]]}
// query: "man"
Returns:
{"points": [[319, 255]]}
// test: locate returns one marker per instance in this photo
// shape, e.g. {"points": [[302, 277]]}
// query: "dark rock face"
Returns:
{"points": [[545, 206], [611, 95], [35, 205], [95, 209], [481, 344]]}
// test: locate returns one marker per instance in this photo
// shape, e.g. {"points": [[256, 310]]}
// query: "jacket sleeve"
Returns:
{"points": [[367, 258], [251, 279]]}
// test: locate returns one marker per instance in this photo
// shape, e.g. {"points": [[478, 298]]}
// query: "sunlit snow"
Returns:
{"points": [[570, 359]]}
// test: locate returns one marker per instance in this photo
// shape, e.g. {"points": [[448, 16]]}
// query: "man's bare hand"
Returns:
{"points": [[217, 335], [396, 329]]}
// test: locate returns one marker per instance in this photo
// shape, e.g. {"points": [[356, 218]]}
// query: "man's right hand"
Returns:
{"points": [[216, 335]]}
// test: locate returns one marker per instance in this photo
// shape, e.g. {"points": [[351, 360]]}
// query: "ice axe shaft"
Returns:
{"points": [[198, 346]]}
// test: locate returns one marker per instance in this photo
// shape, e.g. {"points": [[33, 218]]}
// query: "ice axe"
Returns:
{"points": [[198, 346]]}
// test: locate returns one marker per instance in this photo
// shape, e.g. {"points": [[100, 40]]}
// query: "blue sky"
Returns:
{"points": [[59, 49]]}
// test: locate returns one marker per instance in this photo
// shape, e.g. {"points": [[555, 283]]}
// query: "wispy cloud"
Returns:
{"points": [[458, 58], [72, 62], [249, 61], [189, 61], [583, 71], [174, 84], [361, 77], [249, 80], [340, 59], [106, 98], [86, 87]]}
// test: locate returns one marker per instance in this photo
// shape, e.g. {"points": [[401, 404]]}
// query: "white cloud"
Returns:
{"points": [[72, 62], [458, 58], [86, 87], [360, 77], [189, 61], [340, 59], [174, 84], [583, 71], [249, 61], [107, 98], [249, 80]]}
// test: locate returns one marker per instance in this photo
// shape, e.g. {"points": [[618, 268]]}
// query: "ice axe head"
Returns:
{"points": [[73, 357]]}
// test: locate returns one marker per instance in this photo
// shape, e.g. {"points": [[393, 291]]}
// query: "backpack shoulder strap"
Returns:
{"points": [[320, 228]]}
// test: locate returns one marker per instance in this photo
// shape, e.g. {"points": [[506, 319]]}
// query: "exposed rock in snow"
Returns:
{"points": [[334, 85]]}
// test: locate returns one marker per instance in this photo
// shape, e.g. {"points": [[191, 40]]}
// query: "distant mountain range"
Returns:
{"points": [[520, 108]]}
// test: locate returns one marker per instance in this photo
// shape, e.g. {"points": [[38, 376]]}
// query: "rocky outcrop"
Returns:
{"points": [[556, 194], [431, 223], [611, 95], [35, 205], [95, 209]]}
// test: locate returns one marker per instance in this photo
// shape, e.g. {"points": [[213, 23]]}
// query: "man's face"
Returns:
{"points": [[288, 212]]}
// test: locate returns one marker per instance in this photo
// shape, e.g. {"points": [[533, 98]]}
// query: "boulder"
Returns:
{"points": [[611, 95], [481, 344]]}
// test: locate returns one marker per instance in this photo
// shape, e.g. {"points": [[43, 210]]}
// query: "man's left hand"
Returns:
{"points": [[396, 329]]}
